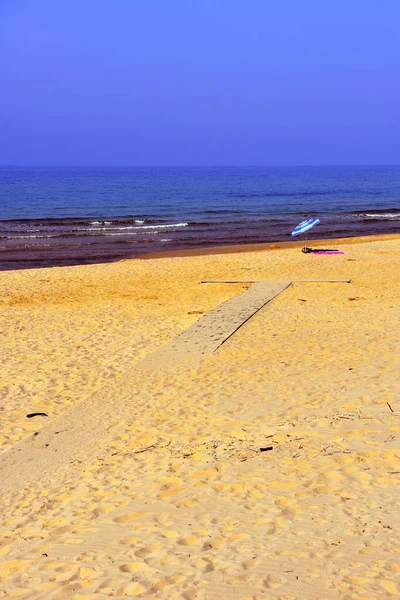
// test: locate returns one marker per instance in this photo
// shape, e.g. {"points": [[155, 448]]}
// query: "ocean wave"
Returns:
{"points": [[165, 226], [374, 211], [75, 221], [117, 233], [377, 211], [27, 237], [380, 216], [103, 229], [117, 222], [129, 227], [294, 194]]}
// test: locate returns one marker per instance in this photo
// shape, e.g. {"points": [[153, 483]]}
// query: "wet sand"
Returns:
{"points": [[150, 482], [293, 243]]}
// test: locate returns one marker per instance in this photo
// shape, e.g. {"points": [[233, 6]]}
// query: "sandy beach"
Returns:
{"points": [[258, 464]]}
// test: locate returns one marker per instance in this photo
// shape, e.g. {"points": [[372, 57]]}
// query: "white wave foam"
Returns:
{"points": [[169, 225], [30, 228], [101, 229], [114, 233], [381, 216], [128, 227], [28, 237], [138, 221]]}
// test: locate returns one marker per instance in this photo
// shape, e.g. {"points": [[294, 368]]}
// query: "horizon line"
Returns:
{"points": [[193, 166]]}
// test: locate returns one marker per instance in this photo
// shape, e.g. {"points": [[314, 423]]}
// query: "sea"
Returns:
{"points": [[75, 215]]}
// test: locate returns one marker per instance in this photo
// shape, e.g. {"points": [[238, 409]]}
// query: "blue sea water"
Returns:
{"points": [[60, 216]]}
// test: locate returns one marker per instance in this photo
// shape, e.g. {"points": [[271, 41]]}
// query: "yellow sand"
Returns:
{"points": [[179, 502]]}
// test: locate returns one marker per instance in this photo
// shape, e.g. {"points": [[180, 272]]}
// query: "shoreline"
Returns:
{"points": [[264, 246], [215, 250]]}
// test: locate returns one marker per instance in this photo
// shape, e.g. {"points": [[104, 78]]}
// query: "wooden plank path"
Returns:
{"points": [[207, 334], [99, 416]]}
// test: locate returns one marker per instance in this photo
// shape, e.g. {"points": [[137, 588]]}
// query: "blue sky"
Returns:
{"points": [[199, 82]]}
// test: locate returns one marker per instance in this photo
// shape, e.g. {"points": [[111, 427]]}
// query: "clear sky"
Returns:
{"points": [[199, 82]]}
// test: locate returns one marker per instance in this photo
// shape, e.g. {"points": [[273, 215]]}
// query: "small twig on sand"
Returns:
{"points": [[144, 449], [323, 450], [390, 407], [389, 439], [150, 447], [298, 453]]}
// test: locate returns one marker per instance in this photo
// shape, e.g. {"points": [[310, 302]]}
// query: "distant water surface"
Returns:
{"points": [[65, 216]]}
